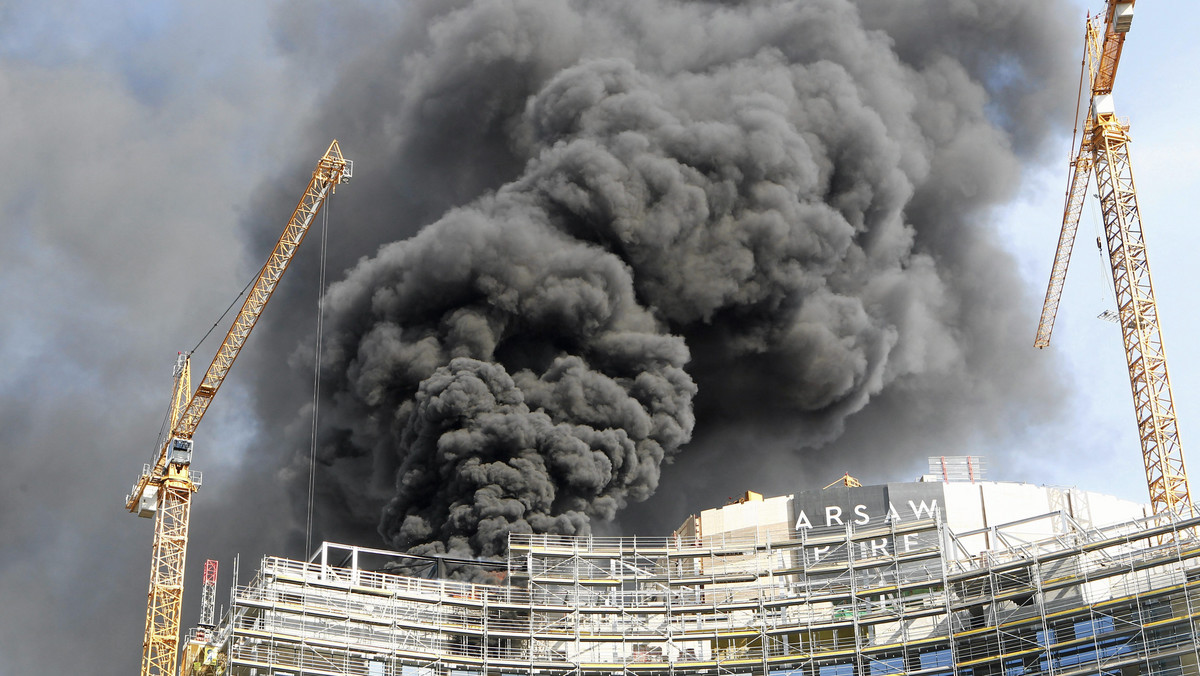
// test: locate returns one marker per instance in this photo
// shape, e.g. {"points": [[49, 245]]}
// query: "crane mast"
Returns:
{"points": [[164, 489], [1104, 149]]}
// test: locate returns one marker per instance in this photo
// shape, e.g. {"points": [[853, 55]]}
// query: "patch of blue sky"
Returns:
{"points": [[159, 50], [1003, 76], [58, 33], [35, 292], [38, 358]]}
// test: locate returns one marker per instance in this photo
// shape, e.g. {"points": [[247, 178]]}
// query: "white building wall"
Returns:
{"points": [[968, 507], [748, 518]]}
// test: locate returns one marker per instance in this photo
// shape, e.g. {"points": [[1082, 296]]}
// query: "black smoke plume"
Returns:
{"points": [[770, 211]]}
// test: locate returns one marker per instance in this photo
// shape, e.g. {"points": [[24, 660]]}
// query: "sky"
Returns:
{"points": [[141, 140]]}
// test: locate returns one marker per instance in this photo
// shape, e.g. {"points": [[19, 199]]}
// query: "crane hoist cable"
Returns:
{"points": [[231, 304], [312, 449]]}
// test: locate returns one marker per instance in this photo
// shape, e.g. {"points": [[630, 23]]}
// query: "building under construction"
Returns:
{"points": [[895, 579]]}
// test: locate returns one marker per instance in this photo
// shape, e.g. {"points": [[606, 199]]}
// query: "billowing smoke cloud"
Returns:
{"points": [[511, 372], [772, 208]]}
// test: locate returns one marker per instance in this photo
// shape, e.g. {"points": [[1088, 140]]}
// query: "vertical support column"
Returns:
{"points": [[208, 596], [898, 602], [1048, 639], [1084, 564], [161, 642], [577, 592], [1154, 405], [762, 634], [1190, 608], [859, 663], [946, 596]]}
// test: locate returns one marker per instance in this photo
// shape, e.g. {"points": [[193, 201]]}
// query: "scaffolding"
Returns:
{"points": [[898, 598]]}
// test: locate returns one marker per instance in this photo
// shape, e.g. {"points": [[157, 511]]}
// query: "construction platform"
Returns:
{"points": [[890, 591]]}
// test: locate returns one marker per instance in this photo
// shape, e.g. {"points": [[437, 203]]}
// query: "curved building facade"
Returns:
{"points": [[930, 578]]}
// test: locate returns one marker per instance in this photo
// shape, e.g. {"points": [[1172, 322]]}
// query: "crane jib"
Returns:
{"points": [[322, 183], [164, 490]]}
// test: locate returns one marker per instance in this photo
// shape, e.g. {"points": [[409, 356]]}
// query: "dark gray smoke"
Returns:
{"points": [[771, 211], [510, 373]]}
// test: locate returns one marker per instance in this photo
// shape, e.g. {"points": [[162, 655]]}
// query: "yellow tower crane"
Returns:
{"points": [[164, 489], [1103, 147]]}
